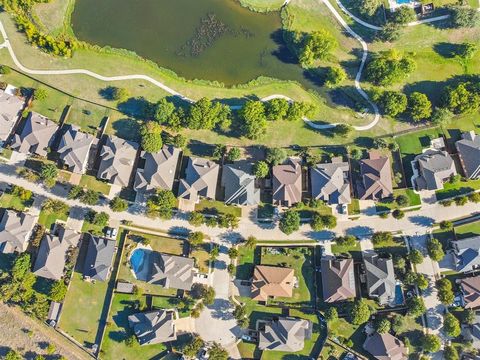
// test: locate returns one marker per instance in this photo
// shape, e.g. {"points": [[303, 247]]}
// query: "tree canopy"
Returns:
{"points": [[419, 106], [290, 222], [389, 67], [151, 133], [254, 120], [317, 45]]}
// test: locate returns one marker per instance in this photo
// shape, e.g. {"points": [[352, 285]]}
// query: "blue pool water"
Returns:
{"points": [[399, 295], [403, 1], [136, 259]]}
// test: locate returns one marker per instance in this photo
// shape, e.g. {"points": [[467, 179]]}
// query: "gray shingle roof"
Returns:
{"points": [[15, 231], [239, 185], [170, 271], [338, 279], [385, 347], [469, 150], [36, 136], [467, 253], [159, 170], [10, 110], [285, 334], [201, 178], [329, 182], [380, 277], [51, 256], [287, 183], [117, 158], [435, 167], [74, 149], [153, 327], [376, 176], [98, 260]]}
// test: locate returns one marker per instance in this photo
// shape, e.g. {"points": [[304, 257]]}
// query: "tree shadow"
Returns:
{"points": [[127, 128], [281, 37], [107, 93], [137, 107], [422, 220]]}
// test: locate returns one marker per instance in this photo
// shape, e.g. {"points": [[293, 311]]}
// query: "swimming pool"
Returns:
{"points": [[401, 2], [137, 259], [399, 299]]}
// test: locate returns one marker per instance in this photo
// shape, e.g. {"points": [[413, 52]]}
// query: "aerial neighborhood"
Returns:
{"points": [[240, 179]]}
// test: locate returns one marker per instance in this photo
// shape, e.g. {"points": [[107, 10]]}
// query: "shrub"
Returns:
{"points": [[196, 218], [334, 76], [398, 214], [435, 250], [117, 204], [290, 222]]}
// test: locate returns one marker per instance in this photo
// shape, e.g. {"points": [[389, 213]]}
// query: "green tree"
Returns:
{"points": [[101, 219], [276, 109], [162, 204], [207, 114], [465, 51], [117, 204], [90, 197], [192, 347], [196, 238], [446, 225], [469, 316], [416, 306], [298, 110], [369, 7], [233, 154], [219, 151], [463, 98], [450, 353], [58, 291], [451, 325], [40, 94], [331, 314], [130, 341], [402, 200], [261, 169], [383, 326], [196, 218], [55, 206], [251, 243], [415, 256], [48, 171], [398, 214], [217, 352], [253, 119], [419, 106], [120, 94], [275, 156], [431, 343], [435, 250], [151, 133], [393, 103], [21, 267], [404, 15], [441, 116], [214, 252], [233, 253], [445, 291], [390, 32], [13, 355], [208, 295], [382, 237], [360, 312], [347, 241], [318, 45], [464, 17], [389, 67], [164, 109], [290, 222]]}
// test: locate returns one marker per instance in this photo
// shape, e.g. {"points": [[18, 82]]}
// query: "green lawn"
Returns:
{"points": [[9, 201], [397, 246], [92, 183], [245, 262], [391, 204], [87, 226], [412, 329], [299, 259], [467, 230], [162, 302], [48, 218], [262, 5], [82, 309], [307, 211], [354, 207], [460, 188], [158, 243], [355, 251], [201, 254], [117, 331], [214, 207], [6, 153], [87, 116]]}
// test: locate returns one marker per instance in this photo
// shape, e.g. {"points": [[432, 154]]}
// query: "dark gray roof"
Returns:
{"points": [[171, 271], [435, 167], [467, 254], [380, 277], [117, 158], [159, 170], [74, 149], [153, 327], [51, 256], [99, 258], [287, 183], [338, 279], [285, 334], [15, 231], [37, 135], [10, 110], [201, 178], [329, 182], [469, 150], [54, 311], [239, 184]]}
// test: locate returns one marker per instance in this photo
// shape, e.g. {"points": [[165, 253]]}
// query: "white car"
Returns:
{"points": [[246, 338], [108, 233], [114, 232]]}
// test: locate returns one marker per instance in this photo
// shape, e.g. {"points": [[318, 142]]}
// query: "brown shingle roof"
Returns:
{"points": [[287, 183], [376, 176], [471, 292], [385, 347], [272, 281]]}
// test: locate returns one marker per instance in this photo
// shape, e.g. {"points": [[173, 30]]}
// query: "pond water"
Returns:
{"points": [[198, 39]]}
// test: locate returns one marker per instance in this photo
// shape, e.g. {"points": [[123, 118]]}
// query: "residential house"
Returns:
{"points": [[201, 177], [467, 254], [376, 177], [338, 279], [158, 170], [52, 253], [380, 277], [10, 110], [385, 347], [239, 184], [98, 261], [287, 183], [153, 327], [284, 334], [36, 136], [469, 152], [271, 282], [15, 231], [434, 168], [471, 291], [472, 333], [74, 149], [170, 271], [330, 182], [117, 158]]}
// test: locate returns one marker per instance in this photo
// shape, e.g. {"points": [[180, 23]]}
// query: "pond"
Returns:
{"points": [[198, 39]]}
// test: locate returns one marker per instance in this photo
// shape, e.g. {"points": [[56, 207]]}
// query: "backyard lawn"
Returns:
{"points": [[92, 183], [467, 230], [457, 189], [117, 331], [214, 207], [48, 218], [82, 309], [87, 116], [246, 262]]}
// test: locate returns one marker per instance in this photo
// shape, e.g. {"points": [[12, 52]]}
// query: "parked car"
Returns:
{"points": [[203, 354], [108, 233], [114, 232], [246, 338]]}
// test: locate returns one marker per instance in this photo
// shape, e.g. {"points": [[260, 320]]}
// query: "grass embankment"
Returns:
{"points": [[262, 5]]}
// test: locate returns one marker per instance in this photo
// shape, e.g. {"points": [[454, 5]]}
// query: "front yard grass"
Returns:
{"points": [[467, 230], [82, 309], [355, 251], [201, 254], [48, 218], [158, 243], [395, 247], [354, 207], [460, 188], [92, 183], [118, 330], [391, 204], [87, 226], [10, 201], [213, 207]]}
